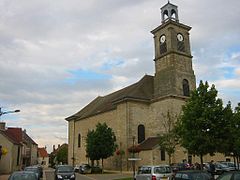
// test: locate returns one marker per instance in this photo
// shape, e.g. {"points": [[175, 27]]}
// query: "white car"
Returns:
{"points": [[158, 172]]}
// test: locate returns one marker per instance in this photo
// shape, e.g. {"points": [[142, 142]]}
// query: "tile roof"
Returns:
{"points": [[149, 144], [140, 91], [14, 133], [42, 152], [9, 137], [17, 135]]}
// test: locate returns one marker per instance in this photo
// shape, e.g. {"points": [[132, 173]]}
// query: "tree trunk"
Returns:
{"points": [[102, 165], [201, 159], [169, 159]]}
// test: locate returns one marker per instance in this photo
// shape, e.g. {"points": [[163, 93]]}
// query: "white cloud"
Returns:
{"points": [[42, 42]]}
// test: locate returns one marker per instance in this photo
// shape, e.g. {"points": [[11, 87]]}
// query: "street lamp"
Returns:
{"points": [[7, 112]]}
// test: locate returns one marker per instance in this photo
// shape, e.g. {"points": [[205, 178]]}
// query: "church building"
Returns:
{"points": [[139, 113]]}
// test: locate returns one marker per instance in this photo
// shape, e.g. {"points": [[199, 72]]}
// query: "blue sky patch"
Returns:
{"points": [[86, 75], [229, 72], [112, 63]]}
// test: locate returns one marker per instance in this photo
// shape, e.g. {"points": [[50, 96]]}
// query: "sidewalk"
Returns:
{"points": [[4, 177]]}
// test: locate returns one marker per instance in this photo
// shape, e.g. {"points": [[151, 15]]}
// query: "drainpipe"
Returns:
{"points": [[73, 156]]}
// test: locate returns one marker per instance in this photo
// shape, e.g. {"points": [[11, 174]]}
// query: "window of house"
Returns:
{"points": [[163, 157], [79, 140], [18, 155], [186, 91], [141, 133]]}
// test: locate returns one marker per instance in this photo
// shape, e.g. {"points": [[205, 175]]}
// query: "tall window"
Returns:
{"points": [[79, 140], [141, 133], [185, 85], [18, 156], [163, 158]]}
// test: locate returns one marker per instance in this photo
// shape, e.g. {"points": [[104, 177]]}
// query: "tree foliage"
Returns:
{"points": [[202, 121], [101, 143], [62, 155]]}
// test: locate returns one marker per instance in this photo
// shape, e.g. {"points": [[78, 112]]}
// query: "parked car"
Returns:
{"points": [[232, 175], [76, 168], [34, 169], [191, 175], [219, 168], [154, 172], [231, 165], [84, 169], [96, 169], [23, 175], [64, 172], [40, 168]]}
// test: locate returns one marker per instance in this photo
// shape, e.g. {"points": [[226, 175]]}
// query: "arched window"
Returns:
{"points": [[185, 85], [79, 140], [165, 15], [141, 133], [173, 14]]}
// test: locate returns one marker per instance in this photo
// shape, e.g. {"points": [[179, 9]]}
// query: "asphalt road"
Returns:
{"points": [[50, 176]]}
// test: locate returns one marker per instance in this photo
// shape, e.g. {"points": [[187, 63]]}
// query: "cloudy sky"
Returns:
{"points": [[58, 55]]}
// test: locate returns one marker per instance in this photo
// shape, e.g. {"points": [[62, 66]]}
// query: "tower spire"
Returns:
{"points": [[169, 12]]}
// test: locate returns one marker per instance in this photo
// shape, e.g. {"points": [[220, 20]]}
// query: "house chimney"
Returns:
{"points": [[2, 125], [54, 148]]}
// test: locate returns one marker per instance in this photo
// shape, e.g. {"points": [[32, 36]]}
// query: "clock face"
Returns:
{"points": [[179, 37], [162, 38]]}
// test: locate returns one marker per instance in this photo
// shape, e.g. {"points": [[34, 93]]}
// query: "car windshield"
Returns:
{"points": [[23, 176], [160, 170], [65, 169], [221, 165], [31, 169]]}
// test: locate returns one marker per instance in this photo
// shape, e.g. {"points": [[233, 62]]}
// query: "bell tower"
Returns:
{"points": [[173, 60]]}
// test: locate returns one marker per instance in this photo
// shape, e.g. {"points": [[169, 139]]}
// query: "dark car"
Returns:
{"points": [[34, 169], [40, 168], [85, 168], [232, 175], [23, 175], [96, 169], [191, 175], [64, 172]]}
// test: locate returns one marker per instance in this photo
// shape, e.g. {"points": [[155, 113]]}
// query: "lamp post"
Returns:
{"points": [[7, 112]]}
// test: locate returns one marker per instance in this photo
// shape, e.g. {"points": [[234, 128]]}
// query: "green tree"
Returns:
{"points": [[62, 155], [168, 140], [201, 118], [101, 143], [90, 143], [225, 134], [236, 133]]}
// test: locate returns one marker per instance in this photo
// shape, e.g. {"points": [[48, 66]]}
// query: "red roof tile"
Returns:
{"points": [[12, 139], [15, 134], [42, 152]]}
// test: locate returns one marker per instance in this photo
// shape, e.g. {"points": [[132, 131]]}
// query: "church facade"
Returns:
{"points": [[138, 113]]}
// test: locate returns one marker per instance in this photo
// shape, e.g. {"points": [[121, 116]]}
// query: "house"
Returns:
{"points": [[22, 150], [12, 160], [43, 157]]}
